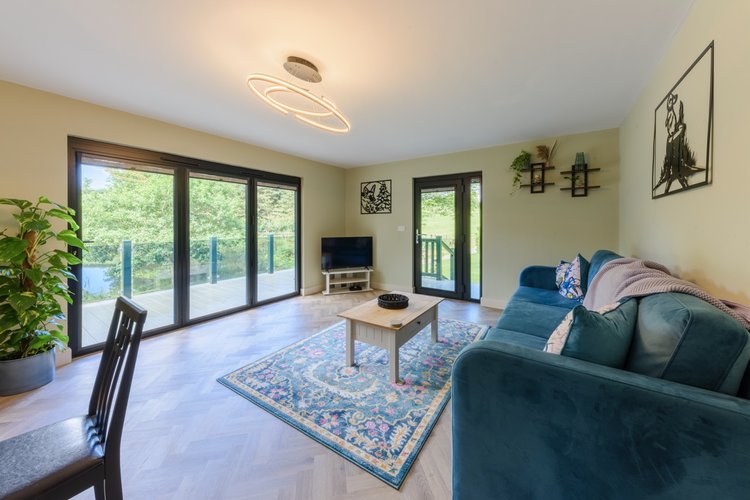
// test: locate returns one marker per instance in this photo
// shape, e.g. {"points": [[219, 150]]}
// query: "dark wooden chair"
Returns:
{"points": [[65, 458]]}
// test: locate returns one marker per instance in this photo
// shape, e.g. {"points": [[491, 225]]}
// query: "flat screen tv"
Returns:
{"points": [[343, 253]]}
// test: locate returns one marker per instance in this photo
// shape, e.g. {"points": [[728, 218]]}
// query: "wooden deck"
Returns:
{"points": [[205, 298]]}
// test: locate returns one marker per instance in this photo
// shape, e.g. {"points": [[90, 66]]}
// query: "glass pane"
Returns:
{"points": [[438, 238], [127, 215], [218, 263], [475, 239], [277, 245]]}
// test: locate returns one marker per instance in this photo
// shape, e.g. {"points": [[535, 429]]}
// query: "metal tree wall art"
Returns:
{"points": [[682, 154], [375, 197]]}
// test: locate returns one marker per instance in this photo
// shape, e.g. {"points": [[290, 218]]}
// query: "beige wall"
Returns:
{"points": [[34, 130], [518, 230], [701, 235]]}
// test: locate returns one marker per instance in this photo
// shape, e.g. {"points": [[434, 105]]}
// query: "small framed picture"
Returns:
{"points": [[375, 197], [683, 123]]}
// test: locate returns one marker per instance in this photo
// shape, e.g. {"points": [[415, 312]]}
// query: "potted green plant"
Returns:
{"points": [[518, 166], [33, 282]]}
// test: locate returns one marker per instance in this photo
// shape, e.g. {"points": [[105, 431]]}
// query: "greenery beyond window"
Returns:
{"points": [[438, 218], [112, 214]]}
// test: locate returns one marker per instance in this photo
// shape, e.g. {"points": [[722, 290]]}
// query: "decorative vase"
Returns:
{"points": [[25, 374]]}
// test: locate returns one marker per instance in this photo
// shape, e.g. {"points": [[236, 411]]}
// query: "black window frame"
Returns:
{"points": [[182, 167], [461, 182]]}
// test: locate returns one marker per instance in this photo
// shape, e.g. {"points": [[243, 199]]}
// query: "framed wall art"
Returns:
{"points": [[683, 123], [375, 197]]}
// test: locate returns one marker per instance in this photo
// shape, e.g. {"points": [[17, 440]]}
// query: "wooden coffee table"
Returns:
{"points": [[390, 328]]}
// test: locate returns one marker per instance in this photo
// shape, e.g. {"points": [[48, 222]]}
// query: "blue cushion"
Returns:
{"points": [[599, 258], [534, 319], [542, 277], [684, 339], [598, 338], [541, 296], [585, 269]]}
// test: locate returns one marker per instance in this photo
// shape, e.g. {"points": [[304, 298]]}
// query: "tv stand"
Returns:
{"points": [[347, 280]]}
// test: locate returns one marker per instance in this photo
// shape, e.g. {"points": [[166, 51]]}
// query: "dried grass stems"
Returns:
{"points": [[545, 153]]}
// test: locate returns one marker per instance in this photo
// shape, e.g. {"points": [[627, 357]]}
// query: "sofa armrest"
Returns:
{"points": [[538, 277], [529, 424]]}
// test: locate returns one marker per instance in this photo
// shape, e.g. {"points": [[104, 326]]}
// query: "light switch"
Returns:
{"points": [[401, 228]]}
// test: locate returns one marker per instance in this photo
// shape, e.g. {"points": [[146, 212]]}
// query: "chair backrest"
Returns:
{"points": [[109, 399]]}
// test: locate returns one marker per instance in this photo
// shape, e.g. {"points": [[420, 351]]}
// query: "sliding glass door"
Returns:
{"points": [[187, 240], [127, 222], [218, 244]]}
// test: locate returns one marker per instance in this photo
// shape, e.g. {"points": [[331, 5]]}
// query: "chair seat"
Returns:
{"points": [[40, 459]]}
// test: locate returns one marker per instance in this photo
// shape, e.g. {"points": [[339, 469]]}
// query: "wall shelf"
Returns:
{"points": [[579, 180], [537, 182]]}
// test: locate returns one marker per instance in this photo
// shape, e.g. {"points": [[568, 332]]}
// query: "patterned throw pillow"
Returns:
{"points": [[574, 278], [560, 270], [602, 336]]}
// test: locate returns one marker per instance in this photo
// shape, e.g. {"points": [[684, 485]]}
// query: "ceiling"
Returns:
{"points": [[415, 78]]}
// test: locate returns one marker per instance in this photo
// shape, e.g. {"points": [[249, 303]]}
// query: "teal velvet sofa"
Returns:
{"points": [[672, 423]]}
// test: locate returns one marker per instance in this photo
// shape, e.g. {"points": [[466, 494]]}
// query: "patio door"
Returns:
{"points": [[218, 243], [447, 238], [186, 239], [127, 219], [276, 252]]}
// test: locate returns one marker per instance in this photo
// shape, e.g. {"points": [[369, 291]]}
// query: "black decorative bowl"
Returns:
{"points": [[393, 301]]}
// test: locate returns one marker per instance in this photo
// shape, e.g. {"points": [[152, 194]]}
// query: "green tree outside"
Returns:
{"points": [[139, 206]]}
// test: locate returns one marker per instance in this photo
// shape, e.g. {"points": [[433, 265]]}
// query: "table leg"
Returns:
{"points": [[393, 359], [434, 326], [349, 343]]}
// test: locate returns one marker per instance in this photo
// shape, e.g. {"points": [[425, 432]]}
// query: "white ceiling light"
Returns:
{"points": [[288, 98]]}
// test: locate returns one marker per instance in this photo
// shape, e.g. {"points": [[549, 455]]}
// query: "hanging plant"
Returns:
{"points": [[518, 166]]}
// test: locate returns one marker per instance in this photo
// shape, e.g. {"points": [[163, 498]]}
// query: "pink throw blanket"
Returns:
{"points": [[628, 277]]}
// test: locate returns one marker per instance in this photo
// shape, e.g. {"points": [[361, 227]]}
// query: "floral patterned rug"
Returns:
{"points": [[354, 410]]}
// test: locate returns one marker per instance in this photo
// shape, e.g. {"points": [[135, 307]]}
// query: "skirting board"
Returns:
{"points": [[312, 290], [392, 288], [484, 301], [493, 303], [64, 357]]}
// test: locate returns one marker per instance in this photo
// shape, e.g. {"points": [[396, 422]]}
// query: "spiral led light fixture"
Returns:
{"points": [[317, 111]]}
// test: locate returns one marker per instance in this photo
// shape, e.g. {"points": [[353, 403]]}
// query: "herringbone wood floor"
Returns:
{"points": [[187, 437]]}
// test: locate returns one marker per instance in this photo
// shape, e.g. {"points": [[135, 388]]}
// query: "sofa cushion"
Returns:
{"points": [[684, 339], [515, 338], [531, 318], [575, 279], [560, 271], [541, 296], [599, 258], [601, 336]]}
